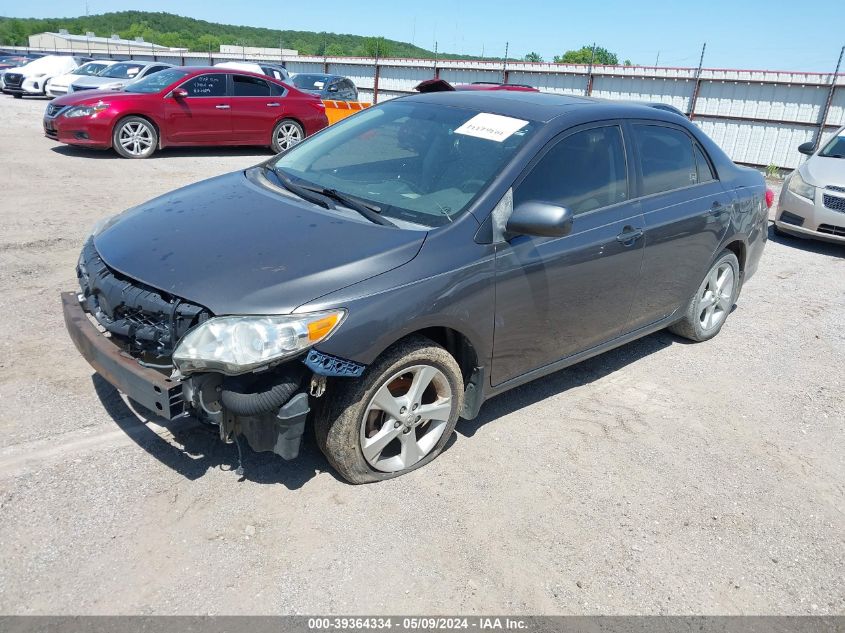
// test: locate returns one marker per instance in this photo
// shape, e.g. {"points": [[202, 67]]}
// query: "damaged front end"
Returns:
{"points": [[250, 376]]}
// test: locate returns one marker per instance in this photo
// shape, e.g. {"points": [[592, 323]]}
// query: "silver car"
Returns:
{"points": [[117, 76], [812, 201]]}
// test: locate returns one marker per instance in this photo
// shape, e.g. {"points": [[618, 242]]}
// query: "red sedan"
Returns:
{"points": [[183, 107]]}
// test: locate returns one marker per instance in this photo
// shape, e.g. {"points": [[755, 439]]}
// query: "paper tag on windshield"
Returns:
{"points": [[493, 127]]}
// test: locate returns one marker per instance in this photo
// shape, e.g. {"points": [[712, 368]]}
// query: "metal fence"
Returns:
{"points": [[759, 117]]}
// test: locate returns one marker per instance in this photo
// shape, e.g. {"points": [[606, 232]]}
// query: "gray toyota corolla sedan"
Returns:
{"points": [[388, 275]]}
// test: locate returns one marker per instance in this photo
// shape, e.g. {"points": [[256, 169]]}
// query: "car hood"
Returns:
{"points": [[93, 81], [237, 247], [821, 172], [93, 96]]}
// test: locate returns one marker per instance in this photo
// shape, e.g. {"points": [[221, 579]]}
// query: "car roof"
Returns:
{"points": [[539, 106]]}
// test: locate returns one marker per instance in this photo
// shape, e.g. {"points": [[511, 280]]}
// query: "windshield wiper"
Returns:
{"points": [[371, 212], [306, 193]]}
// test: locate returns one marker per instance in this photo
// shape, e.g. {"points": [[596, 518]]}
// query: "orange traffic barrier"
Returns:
{"points": [[337, 110]]}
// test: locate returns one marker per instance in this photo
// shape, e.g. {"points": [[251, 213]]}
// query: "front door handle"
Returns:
{"points": [[273, 105], [222, 107], [629, 235]]}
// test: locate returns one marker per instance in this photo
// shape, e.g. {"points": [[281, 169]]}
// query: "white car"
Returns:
{"points": [[271, 70], [31, 79], [812, 201], [59, 86]]}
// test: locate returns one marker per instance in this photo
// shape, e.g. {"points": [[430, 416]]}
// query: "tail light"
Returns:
{"points": [[770, 198]]}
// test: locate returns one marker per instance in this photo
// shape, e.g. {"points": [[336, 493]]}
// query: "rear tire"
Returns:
{"points": [[17, 96], [709, 307], [395, 418], [134, 137], [286, 134]]}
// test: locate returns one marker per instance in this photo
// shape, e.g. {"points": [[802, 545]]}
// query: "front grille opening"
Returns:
{"points": [[831, 229], [834, 203], [146, 322], [790, 218]]}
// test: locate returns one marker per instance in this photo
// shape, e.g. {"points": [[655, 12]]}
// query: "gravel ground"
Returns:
{"points": [[659, 478]]}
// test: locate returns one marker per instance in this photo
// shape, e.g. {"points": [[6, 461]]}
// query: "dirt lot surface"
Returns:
{"points": [[662, 477]]}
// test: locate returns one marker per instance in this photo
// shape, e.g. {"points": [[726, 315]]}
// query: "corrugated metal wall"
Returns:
{"points": [[758, 117]]}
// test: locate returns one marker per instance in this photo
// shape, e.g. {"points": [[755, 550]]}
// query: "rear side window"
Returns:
{"points": [[666, 158], [705, 171], [583, 172], [206, 86], [276, 90], [250, 86]]}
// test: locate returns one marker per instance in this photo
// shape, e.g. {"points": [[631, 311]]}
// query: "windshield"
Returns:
{"points": [[122, 71], [836, 147], [415, 161], [310, 82], [91, 68], [156, 82]]}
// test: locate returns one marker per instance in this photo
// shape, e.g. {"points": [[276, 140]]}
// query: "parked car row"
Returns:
{"points": [[31, 79]]}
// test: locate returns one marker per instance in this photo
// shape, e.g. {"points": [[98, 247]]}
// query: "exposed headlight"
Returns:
{"points": [[237, 344], [799, 187], [80, 111]]}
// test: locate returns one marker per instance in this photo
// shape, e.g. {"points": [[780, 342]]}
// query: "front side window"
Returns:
{"points": [[245, 86], [666, 158], [211, 85], [415, 161], [583, 172]]}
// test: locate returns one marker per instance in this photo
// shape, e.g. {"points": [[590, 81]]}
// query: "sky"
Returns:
{"points": [[772, 35]]}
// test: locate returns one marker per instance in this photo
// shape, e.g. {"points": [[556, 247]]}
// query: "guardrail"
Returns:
{"points": [[759, 117]]}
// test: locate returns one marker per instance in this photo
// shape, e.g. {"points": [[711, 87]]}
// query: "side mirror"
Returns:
{"points": [[179, 93], [332, 88], [541, 219], [807, 148]]}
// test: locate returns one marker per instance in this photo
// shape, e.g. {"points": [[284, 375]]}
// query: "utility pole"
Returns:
{"points": [[826, 110], [697, 85], [589, 90], [505, 65], [657, 61]]}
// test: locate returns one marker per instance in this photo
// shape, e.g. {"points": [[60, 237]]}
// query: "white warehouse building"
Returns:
{"points": [[90, 43]]}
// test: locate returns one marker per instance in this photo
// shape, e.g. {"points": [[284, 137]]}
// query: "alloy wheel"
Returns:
{"points": [[136, 138], [716, 298], [406, 418], [288, 135]]}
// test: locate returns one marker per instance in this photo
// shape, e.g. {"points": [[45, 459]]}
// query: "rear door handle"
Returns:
{"points": [[717, 208], [222, 107], [273, 105], [629, 235]]}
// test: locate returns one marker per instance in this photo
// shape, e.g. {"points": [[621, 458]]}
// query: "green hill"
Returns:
{"points": [[198, 35]]}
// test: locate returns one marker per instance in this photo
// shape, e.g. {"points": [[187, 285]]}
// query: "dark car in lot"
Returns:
{"points": [[333, 87], [184, 106], [389, 275]]}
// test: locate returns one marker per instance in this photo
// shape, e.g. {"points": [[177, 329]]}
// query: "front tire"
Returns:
{"points": [[396, 418], [286, 134], [709, 307], [134, 137]]}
